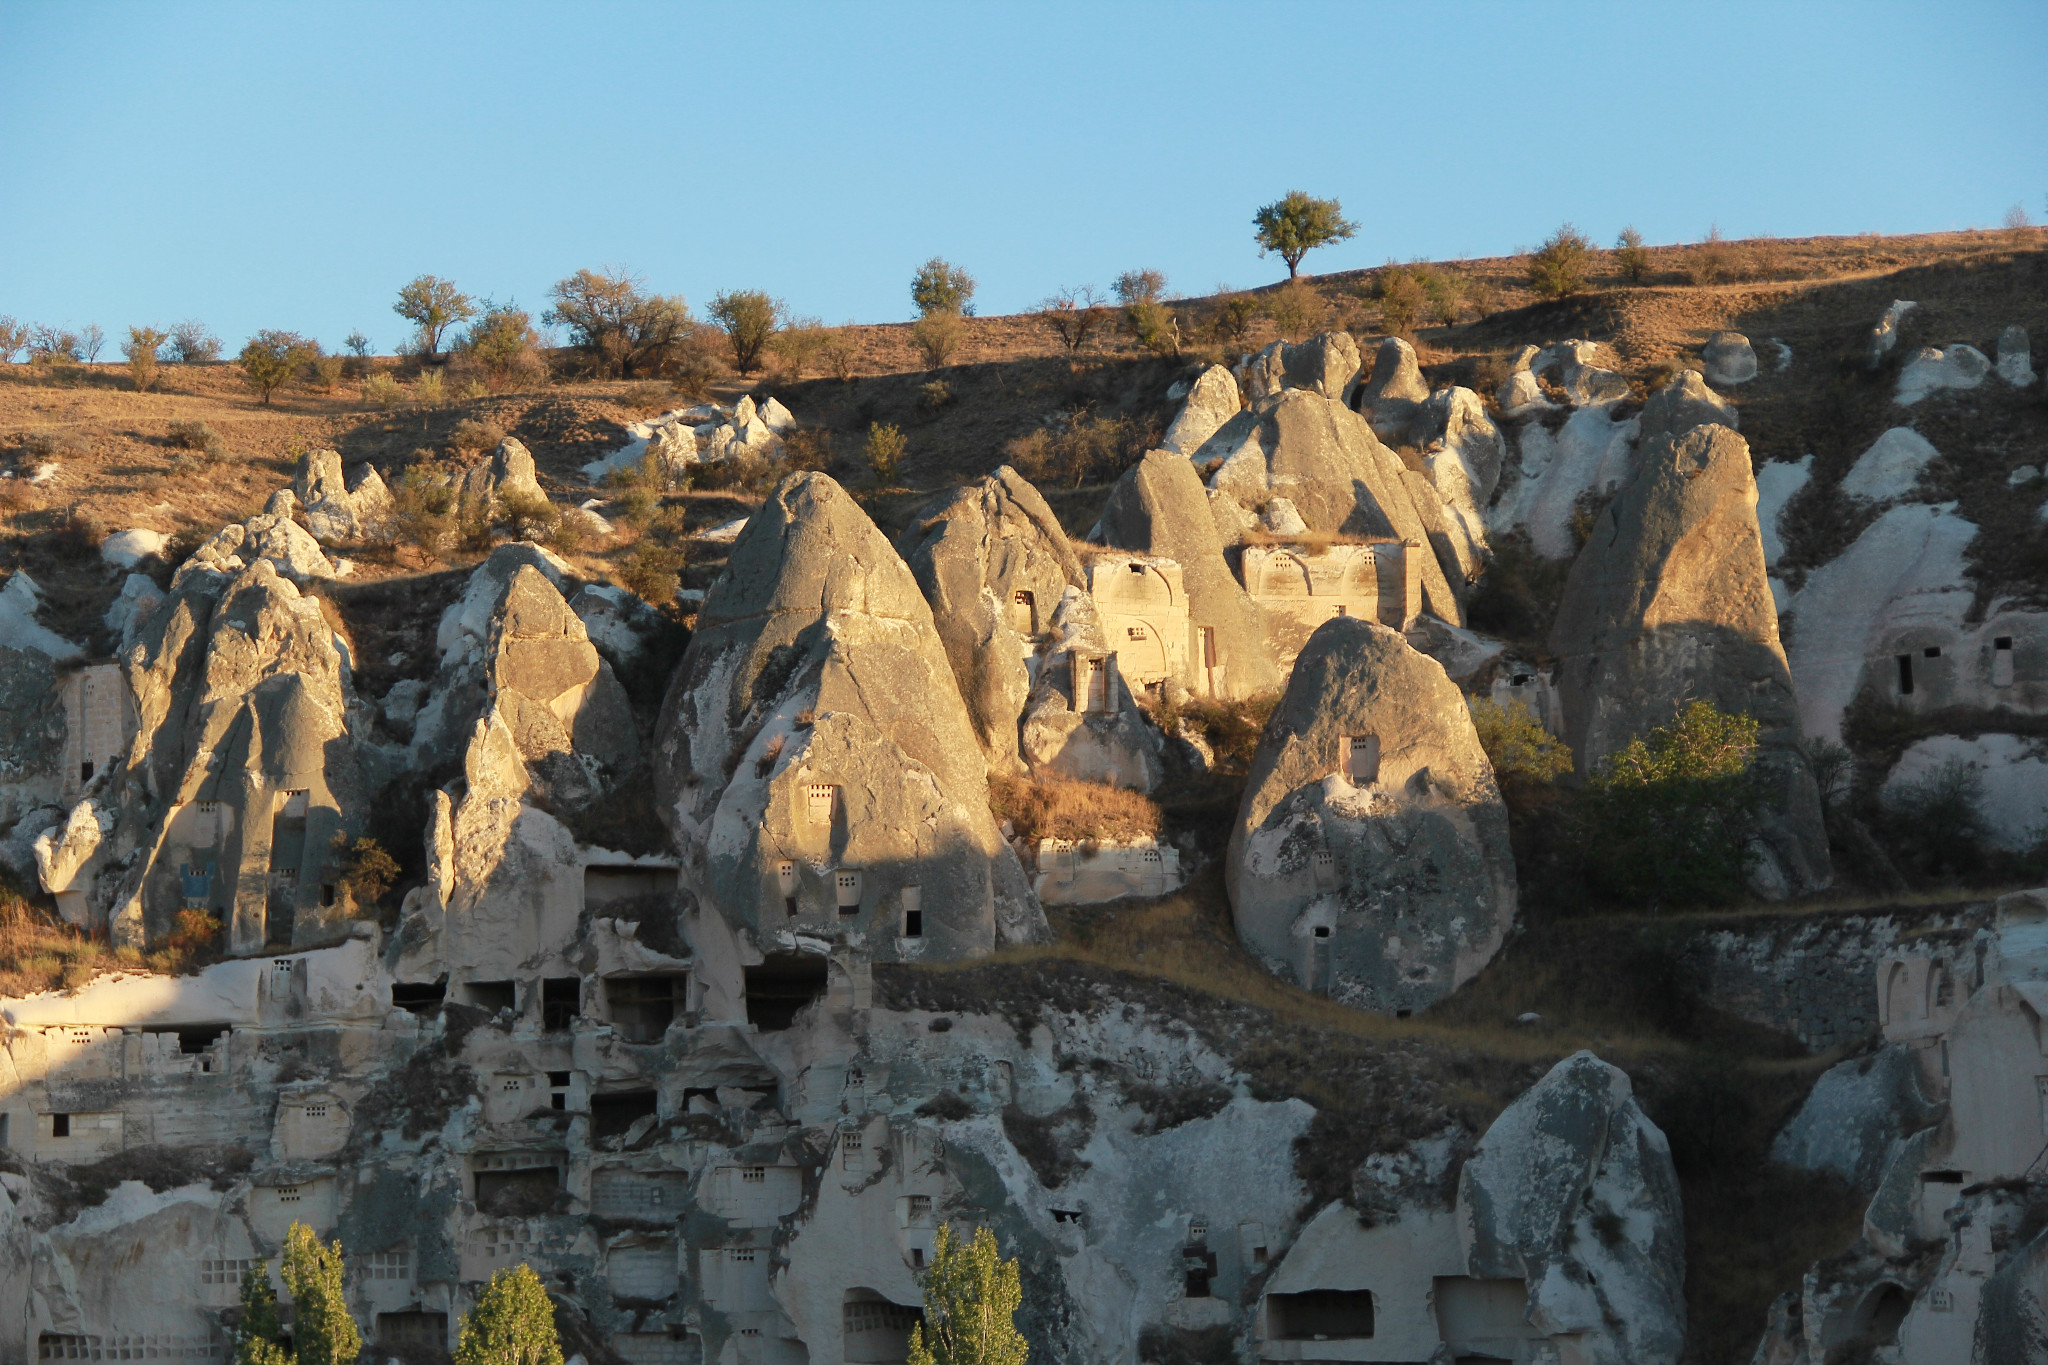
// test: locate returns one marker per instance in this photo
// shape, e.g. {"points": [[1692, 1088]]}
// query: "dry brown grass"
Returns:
{"points": [[38, 952], [1053, 809]]}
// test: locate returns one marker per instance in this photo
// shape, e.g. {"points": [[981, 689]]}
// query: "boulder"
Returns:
{"points": [[1369, 860], [1520, 394], [1684, 402], [814, 748], [270, 535], [1395, 390], [126, 549], [20, 599], [1572, 1192], [1670, 601], [1233, 523], [338, 506], [1159, 508], [1891, 468], [1579, 373], [1325, 459], [1456, 418], [1884, 336], [776, 417], [1326, 364], [1729, 359], [1931, 370], [994, 563], [1114, 744], [1857, 1116], [1281, 519], [2015, 358], [1212, 402]]}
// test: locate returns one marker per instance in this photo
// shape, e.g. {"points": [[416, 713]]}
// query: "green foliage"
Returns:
{"points": [[383, 390], [839, 352], [1139, 286], [942, 287], [1833, 768], [323, 1333], [513, 1323], [1668, 819], [1444, 292], [433, 305], [1077, 448], [366, 870], [358, 344], [1297, 224], [798, 343], [256, 1336], [271, 358], [1517, 744], [652, 571], [429, 387], [1074, 315], [749, 319], [422, 506], [1629, 256], [1154, 326], [1559, 267], [502, 343], [1401, 299], [1937, 821], [323, 371], [934, 395], [884, 451], [1233, 319], [141, 348], [188, 435], [971, 1297], [532, 515]]}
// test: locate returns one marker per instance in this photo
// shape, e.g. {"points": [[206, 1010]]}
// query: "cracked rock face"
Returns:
{"points": [[1213, 401], [1572, 1192], [814, 746], [994, 564], [338, 507], [1370, 859], [1669, 601]]}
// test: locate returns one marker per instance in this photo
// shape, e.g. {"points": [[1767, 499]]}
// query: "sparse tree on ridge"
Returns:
{"points": [[140, 348], [13, 338], [513, 1323], [192, 344], [942, 287], [357, 343], [624, 329], [433, 305], [270, 358], [1139, 286], [749, 319], [1293, 226]]}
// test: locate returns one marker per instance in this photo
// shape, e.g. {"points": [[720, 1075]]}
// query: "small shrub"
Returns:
{"points": [[54, 345], [472, 437], [1233, 318], [383, 390], [1079, 448], [324, 372], [1629, 256], [884, 451], [941, 287], [271, 358], [839, 352], [357, 344], [13, 338], [423, 508], [937, 337], [1937, 822], [1444, 294], [1713, 260], [366, 870], [1559, 267], [652, 571], [192, 344], [1516, 744], [428, 388], [934, 395], [1296, 309], [141, 348], [1073, 315], [808, 448], [796, 345], [196, 436], [503, 346], [531, 516], [1155, 327]]}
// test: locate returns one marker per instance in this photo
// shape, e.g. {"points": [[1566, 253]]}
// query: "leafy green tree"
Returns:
{"points": [[433, 305], [884, 450], [270, 359], [323, 1333], [749, 319], [256, 1336], [1669, 819], [971, 1296], [1139, 286], [942, 287], [502, 341], [1559, 267], [1293, 226], [513, 1323]]}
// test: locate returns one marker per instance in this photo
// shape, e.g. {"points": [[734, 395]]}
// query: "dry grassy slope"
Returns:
{"points": [[1818, 295]]}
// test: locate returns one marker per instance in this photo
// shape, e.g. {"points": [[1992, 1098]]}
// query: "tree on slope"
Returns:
{"points": [[323, 1333], [971, 1295], [512, 1324], [270, 358], [1298, 224], [433, 305]]}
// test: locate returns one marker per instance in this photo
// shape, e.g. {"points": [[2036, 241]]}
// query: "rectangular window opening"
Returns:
{"points": [[60, 1125], [561, 1000], [643, 1007], [1320, 1315], [419, 997], [1905, 675], [492, 996], [611, 1114]]}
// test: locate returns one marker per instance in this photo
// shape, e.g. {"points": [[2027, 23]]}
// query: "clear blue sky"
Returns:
{"points": [[290, 165]]}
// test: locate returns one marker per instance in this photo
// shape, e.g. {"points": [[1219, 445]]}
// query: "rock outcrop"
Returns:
{"points": [[509, 474], [993, 563], [1325, 460], [337, 506], [1210, 403], [2015, 357], [1159, 508], [1932, 369], [1370, 857], [1682, 403], [1670, 600], [1085, 727], [1572, 1192], [815, 751], [1729, 359], [1326, 364], [1395, 391], [1884, 335]]}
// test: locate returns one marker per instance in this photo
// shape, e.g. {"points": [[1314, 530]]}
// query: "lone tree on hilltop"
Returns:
{"points": [[939, 286], [323, 1333], [513, 1323], [1559, 267], [749, 319], [1298, 224], [270, 358], [971, 1295], [433, 305]]}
